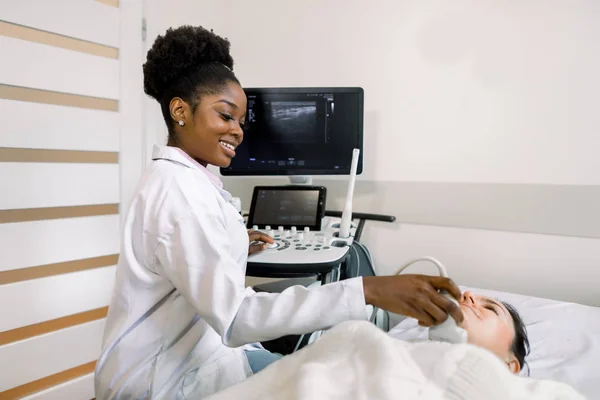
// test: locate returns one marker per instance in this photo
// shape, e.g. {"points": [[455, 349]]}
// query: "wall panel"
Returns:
{"points": [[28, 244], [55, 297], [35, 65], [61, 178], [89, 20], [33, 185], [41, 356], [79, 388], [47, 126]]}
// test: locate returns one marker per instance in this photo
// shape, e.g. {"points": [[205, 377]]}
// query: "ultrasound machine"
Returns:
{"points": [[300, 133]]}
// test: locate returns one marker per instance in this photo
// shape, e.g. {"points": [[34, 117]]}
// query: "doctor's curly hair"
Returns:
{"points": [[187, 62]]}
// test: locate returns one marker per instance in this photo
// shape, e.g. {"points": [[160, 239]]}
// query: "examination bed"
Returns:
{"points": [[564, 339]]}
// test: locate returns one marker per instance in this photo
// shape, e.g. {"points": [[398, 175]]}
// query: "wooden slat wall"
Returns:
{"points": [[60, 203]]}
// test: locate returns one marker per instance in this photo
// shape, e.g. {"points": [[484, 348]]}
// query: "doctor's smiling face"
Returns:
{"points": [[497, 327], [189, 71], [213, 127]]}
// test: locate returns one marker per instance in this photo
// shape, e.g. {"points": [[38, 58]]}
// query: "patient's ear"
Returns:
{"points": [[513, 364]]}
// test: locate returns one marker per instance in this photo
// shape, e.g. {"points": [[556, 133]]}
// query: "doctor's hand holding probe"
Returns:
{"points": [[181, 323]]}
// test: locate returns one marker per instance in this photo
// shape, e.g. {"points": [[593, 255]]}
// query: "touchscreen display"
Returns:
{"points": [[286, 207]]}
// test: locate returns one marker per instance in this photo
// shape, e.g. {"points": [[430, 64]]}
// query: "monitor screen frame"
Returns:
{"points": [[307, 171]]}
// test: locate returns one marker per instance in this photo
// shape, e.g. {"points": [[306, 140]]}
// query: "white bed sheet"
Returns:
{"points": [[564, 339]]}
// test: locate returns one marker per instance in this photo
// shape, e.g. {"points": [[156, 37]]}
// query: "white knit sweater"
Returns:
{"points": [[355, 360]]}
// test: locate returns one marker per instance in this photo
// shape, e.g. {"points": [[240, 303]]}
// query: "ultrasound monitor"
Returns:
{"points": [[300, 131]]}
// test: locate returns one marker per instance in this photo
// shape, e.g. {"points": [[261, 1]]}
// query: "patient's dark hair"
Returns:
{"points": [[187, 62], [520, 345]]}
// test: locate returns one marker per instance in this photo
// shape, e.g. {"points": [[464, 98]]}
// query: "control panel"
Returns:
{"points": [[302, 247]]}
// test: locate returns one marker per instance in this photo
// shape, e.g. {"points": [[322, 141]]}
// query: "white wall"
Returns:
{"points": [[132, 138], [464, 101]]}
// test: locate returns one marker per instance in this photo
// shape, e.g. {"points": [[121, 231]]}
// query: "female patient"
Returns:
{"points": [[491, 324]]}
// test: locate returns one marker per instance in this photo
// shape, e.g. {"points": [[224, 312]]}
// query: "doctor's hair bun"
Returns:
{"points": [[179, 54]]}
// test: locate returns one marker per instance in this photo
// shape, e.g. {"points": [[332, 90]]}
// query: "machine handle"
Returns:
{"points": [[364, 216]]}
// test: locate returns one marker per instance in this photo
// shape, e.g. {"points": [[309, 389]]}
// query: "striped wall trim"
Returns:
{"points": [[43, 271], [29, 331], [20, 93], [48, 382], [52, 39], [112, 3], [37, 214], [9, 154], [26, 332]]}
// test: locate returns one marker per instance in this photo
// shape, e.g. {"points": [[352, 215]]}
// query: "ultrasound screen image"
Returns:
{"points": [[299, 131], [294, 121]]}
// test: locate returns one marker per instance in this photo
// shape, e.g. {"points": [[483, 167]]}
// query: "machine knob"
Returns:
{"points": [[293, 230], [272, 245], [306, 229], [280, 229], [268, 227], [255, 227]]}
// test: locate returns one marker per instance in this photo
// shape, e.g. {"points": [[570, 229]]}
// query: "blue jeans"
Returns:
{"points": [[260, 359]]}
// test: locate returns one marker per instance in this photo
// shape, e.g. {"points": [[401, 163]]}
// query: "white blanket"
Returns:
{"points": [[356, 360]]}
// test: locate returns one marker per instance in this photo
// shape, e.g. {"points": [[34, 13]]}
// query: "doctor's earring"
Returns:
{"points": [[181, 123]]}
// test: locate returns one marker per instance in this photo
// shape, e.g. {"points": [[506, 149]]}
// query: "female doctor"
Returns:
{"points": [[181, 323]]}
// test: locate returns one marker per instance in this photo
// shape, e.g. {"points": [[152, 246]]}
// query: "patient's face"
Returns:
{"points": [[489, 325]]}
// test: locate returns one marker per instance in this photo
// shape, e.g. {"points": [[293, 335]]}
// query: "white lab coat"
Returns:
{"points": [[180, 313]]}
